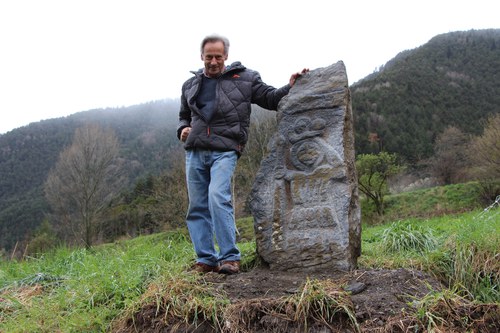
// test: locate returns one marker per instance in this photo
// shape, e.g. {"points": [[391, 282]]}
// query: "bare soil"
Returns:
{"points": [[380, 294], [381, 300]]}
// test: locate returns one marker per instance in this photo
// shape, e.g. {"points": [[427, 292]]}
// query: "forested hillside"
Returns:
{"points": [[453, 80], [146, 134]]}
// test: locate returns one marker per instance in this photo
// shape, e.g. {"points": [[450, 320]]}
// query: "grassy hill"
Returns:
{"points": [[110, 287]]}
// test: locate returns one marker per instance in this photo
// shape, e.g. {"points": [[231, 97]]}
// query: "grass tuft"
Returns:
{"points": [[446, 311], [317, 303], [405, 236], [323, 302], [180, 302]]}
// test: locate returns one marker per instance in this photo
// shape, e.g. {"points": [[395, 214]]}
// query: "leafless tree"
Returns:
{"points": [[449, 163], [485, 157], [262, 127], [485, 149], [84, 180], [171, 193]]}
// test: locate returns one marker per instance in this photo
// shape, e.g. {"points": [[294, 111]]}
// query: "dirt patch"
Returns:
{"points": [[380, 301], [378, 296]]}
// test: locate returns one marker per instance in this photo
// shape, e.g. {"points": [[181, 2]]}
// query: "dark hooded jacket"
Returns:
{"points": [[236, 89]]}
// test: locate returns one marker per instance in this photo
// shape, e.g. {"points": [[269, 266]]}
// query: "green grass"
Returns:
{"points": [[464, 254], [79, 290], [435, 201], [83, 290]]}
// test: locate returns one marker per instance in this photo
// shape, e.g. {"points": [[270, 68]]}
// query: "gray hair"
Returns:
{"points": [[213, 39]]}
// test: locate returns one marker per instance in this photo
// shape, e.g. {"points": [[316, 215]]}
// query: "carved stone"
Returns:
{"points": [[305, 196]]}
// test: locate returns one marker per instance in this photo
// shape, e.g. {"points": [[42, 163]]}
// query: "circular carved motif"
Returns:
{"points": [[306, 155]]}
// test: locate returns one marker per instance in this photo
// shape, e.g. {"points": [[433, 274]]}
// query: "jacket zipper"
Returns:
{"points": [[216, 87]]}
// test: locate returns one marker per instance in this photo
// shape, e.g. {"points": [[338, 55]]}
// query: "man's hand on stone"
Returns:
{"points": [[295, 76]]}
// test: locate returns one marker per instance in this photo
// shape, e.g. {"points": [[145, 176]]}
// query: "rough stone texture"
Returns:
{"points": [[305, 198]]}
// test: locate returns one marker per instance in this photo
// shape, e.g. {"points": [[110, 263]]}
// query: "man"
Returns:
{"points": [[214, 118]]}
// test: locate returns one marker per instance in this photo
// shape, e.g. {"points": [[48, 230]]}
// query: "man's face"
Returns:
{"points": [[213, 56]]}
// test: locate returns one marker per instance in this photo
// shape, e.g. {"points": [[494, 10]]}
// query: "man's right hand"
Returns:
{"points": [[184, 133]]}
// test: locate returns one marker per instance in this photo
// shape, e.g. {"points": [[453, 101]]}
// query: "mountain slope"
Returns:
{"points": [[453, 80], [146, 133]]}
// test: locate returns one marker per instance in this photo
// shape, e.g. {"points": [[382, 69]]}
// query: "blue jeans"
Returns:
{"points": [[210, 212]]}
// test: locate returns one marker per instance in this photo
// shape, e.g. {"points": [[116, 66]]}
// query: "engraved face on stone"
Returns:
{"points": [[306, 155]]}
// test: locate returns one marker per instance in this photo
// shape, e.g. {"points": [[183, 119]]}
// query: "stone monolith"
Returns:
{"points": [[305, 196]]}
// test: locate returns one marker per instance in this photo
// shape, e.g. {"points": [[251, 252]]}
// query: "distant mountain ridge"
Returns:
{"points": [[454, 79]]}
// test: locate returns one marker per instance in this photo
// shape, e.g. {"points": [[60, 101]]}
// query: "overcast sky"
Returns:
{"points": [[62, 57]]}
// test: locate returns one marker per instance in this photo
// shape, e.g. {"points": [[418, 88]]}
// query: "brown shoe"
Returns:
{"points": [[229, 267], [202, 268]]}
